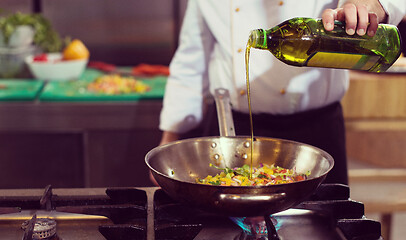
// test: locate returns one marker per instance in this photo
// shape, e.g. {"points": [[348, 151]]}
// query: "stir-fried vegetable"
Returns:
{"points": [[261, 176]]}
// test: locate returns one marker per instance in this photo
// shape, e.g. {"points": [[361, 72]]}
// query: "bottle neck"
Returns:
{"points": [[258, 39]]}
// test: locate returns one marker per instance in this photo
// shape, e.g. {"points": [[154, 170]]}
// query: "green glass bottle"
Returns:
{"points": [[305, 42]]}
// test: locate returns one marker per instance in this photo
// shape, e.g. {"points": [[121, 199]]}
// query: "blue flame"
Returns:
{"points": [[240, 222], [260, 226]]}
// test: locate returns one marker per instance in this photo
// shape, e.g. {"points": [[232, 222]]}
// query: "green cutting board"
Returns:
{"points": [[19, 89], [76, 90]]}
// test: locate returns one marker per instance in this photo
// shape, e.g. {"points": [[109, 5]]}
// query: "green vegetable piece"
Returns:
{"points": [[230, 175], [215, 183]]}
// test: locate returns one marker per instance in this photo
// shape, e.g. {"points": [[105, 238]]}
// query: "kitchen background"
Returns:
{"points": [[50, 149], [100, 144], [119, 32]]}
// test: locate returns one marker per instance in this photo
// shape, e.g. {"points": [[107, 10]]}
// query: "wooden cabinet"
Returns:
{"points": [[77, 144], [375, 112]]}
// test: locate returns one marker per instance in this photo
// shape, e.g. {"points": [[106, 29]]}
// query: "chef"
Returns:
{"points": [[300, 104]]}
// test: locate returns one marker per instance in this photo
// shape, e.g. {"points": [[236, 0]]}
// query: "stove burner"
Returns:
{"points": [[258, 227], [328, 214], [42, 228]]}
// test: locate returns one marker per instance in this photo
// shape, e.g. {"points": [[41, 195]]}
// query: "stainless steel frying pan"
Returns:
{"points": [[176, 165]]}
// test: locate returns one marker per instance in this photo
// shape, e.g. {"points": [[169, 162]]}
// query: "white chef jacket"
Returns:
{"points": [[211, 55]]}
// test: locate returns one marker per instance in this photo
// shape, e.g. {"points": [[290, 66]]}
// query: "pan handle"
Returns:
{"points": [[225, 117], [249, 198]]}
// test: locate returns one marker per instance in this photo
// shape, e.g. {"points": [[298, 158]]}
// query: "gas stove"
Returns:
{"points": [[148, 213]]}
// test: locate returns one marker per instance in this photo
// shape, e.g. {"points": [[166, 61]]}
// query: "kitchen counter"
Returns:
{"points": [[82, 140], [77, 144], [78, 116]]}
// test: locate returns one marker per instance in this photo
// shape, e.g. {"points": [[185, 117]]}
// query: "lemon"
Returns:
{"points": [[75, 50]]}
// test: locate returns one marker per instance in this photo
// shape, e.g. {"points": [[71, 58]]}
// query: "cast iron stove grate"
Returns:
{"points": [[328, 214], [125, 207]]}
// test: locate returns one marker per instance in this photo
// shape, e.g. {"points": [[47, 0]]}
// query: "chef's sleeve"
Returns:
{"points": [[395, 9], [185, 89]]}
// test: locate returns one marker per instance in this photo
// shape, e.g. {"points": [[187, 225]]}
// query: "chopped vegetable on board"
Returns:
{"points": [[116, 84]]}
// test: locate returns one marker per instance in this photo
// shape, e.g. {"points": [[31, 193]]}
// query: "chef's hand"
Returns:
{"points": [[360, 16], [167, 137]]}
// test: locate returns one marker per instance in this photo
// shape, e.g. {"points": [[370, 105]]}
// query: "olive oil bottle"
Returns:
{"points": [[305, 42]]}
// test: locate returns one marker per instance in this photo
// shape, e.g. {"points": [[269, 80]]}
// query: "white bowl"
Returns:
{"points": [[55, 68]]}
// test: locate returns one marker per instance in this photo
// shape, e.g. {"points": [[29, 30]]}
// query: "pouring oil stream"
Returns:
{"points": [[247, 60]]}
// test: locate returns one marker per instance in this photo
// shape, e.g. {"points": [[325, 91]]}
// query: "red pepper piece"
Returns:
{"points": [[41, 57], [106, 67], [150, 70]]}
